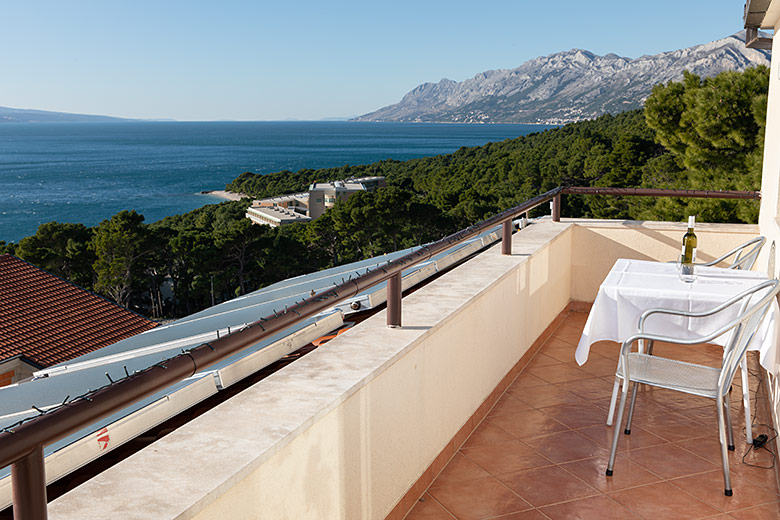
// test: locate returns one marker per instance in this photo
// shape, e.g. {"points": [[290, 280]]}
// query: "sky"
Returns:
{"points": [[275, 60]]}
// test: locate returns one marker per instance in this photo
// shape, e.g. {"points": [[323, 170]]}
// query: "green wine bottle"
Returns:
{"points": [[688, 255]]}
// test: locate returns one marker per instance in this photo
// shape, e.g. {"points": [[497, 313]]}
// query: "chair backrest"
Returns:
{"points": [[754, 306], [744, 255]]}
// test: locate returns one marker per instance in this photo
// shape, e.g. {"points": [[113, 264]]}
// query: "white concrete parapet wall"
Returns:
{"points": [[345, 431], [597, 244]]}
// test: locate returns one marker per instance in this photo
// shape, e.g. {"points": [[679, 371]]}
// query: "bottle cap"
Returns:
{"points": [[691, 220]]}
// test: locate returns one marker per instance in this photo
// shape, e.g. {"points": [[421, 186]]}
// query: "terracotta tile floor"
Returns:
{"points": [[542, 450]]}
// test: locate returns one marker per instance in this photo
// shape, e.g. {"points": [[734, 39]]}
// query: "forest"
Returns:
{"points": [[694, 134]]}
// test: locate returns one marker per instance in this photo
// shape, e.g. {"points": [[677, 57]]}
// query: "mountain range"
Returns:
{"points": [[565, 87]]}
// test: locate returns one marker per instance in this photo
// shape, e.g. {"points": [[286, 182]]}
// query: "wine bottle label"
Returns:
{"points": [[693, 256]]}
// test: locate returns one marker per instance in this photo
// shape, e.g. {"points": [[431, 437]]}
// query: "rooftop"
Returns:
{"points": [[301, 197], [274, 215], [49, 320]]}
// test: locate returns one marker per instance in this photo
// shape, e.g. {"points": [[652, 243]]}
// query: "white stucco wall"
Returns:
{"points": [[770, 178], [769, 218]]}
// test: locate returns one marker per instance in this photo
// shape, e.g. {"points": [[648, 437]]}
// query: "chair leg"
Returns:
{"points": [[616, 429], [746, 401], [724, 453], [627, 431], [613, 401], [727, 411]]}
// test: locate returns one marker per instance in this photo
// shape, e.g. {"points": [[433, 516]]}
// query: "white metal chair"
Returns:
{"points": [[644, 368], [744, 255]]}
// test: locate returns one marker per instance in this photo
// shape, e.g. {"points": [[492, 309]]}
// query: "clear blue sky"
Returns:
{"points": [[270, 60]]}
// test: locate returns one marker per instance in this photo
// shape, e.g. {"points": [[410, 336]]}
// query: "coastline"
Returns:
{"points": [[223, 194], [188, 170]]}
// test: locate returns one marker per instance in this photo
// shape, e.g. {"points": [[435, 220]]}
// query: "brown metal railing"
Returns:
{"points": [[650, 192], [22, 447]]}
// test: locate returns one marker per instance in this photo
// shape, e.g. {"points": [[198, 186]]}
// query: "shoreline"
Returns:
{"points": [[226, 195]]}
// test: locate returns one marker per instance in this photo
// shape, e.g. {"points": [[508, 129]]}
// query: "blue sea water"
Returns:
{"points": [[87, 172]]}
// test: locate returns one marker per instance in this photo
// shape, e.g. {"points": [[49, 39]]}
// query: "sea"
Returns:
{"points": [[87, 172]]}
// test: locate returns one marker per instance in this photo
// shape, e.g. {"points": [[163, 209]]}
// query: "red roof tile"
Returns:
{"points": [[50, 320]]}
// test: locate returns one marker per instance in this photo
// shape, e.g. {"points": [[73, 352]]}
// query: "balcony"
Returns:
{"points": [[474, 408], [542, 449]]}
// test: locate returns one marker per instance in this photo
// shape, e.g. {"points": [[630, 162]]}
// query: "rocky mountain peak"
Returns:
{"points": [[566, 86]]}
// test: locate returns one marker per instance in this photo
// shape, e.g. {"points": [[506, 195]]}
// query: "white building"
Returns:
{"points": [[306, 206]]}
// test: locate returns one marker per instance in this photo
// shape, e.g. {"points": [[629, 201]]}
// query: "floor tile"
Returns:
{"points": [[480, 498], [527, 424], [709, 448], [626, 473], [427, 508], [679, 400], [600, 366], [649, 411], [549, 395], [576, 415], [608, 349], [566, 446], [541, 360], [526, 380], [661, 501], [560, 350], [763, 512], [548, 485], [574, 323], [639, 438], [558, 373], [460, 469], [759, 476], [669, 461], [708, 487], [510, 404], [570, 335], [594, 389], [750, 463], [592, 508], [671, 426], [531, 514], [487, 433], [506, 457]]}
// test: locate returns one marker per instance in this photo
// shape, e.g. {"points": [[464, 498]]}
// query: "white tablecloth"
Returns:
{"points": [[633, 286]]}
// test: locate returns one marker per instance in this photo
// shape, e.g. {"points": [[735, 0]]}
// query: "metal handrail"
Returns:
{"points": [[662, 192], [22, 448], [650, 192]]}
